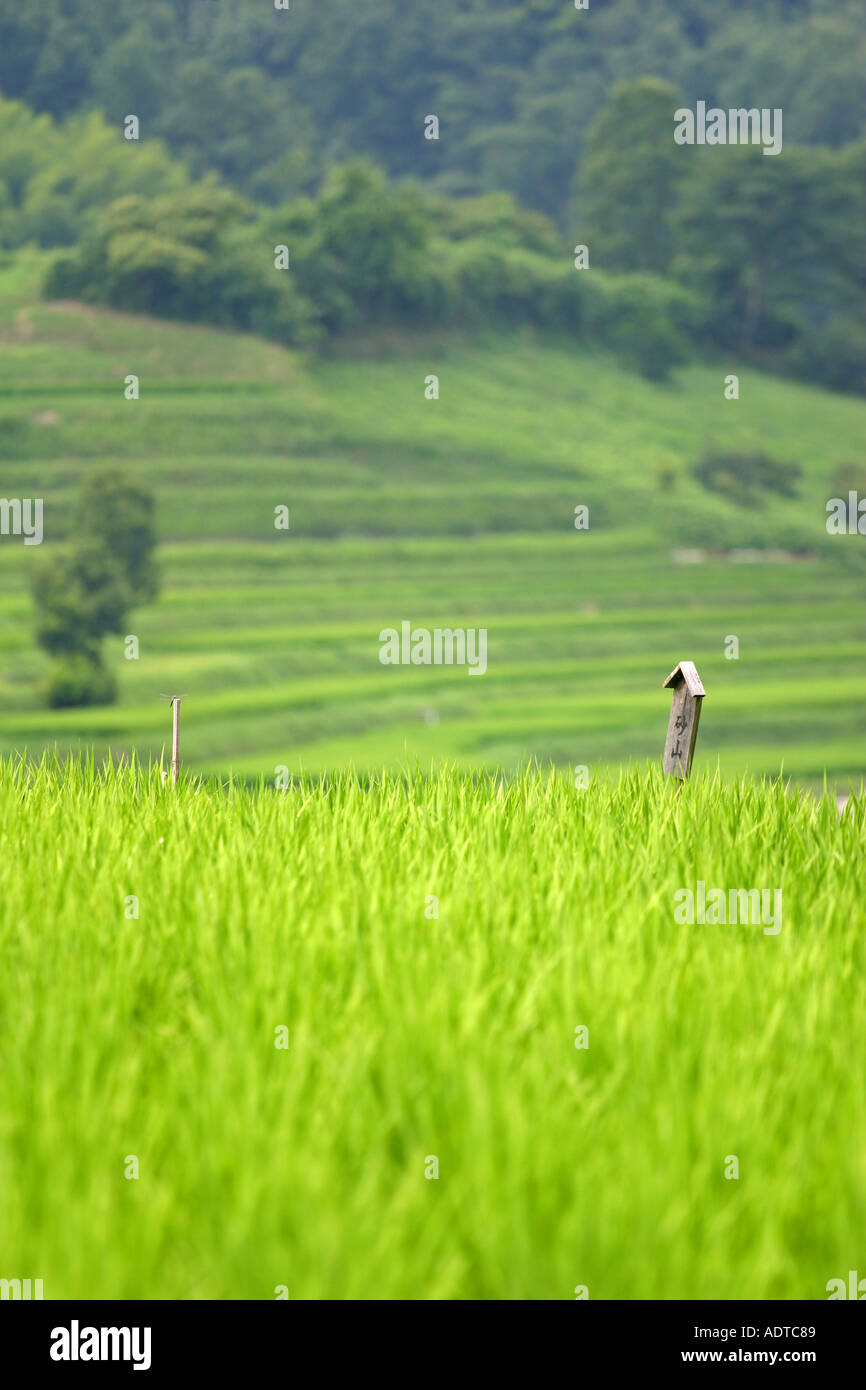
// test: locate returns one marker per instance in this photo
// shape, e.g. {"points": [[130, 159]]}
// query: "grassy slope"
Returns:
{"points": [[449, 513], [411, 1036]]}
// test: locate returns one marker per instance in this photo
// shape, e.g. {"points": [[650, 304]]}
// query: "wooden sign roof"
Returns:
{"points": [[686, 671]]}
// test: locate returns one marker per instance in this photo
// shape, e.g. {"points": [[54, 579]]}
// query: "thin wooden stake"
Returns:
{"points": [[175, 739]]}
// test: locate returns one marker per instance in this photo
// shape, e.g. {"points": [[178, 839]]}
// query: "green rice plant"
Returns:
{"points": [[429, 947]]}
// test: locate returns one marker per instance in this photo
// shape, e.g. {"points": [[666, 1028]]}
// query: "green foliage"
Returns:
{"points": [[411, 1035], [77, 680], [848, 477], [117, 511], [629, 177], [191, 255], [642, 317], [80, 595], [365, 256], [761, 266], [493, 283], [833, 355], [745, 477], [765, 244], [54, 176], [359, 249], [747, 241], [268, 99], [772, 249], [86, 590]]}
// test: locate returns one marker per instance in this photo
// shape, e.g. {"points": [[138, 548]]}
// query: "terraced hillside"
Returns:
{"points": [[456, 512]]}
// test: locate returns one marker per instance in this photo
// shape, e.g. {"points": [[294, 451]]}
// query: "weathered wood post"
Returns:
{"points": [[685, 717], [175, 739]]}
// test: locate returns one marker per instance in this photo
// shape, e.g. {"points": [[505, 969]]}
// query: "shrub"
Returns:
{"points": [[744, 477], [848, 477], [643, 318], [833, 356], [666, 476], [77, 680]]}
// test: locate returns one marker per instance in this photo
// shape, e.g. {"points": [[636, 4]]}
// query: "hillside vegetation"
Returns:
{"points": [[268, 98], [457, 512]]}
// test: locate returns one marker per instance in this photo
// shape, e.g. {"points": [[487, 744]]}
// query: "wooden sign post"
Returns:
{"points": [[685, 717]]}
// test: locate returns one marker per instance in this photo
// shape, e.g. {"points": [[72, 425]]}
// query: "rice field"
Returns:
{"points": [[426, 1037]]}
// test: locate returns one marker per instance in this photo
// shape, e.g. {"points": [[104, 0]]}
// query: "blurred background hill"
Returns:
{"points": [[271, 99]]}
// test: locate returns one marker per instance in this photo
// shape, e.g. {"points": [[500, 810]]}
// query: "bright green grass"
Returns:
{"points": [[412, 1037], [454, 513]]}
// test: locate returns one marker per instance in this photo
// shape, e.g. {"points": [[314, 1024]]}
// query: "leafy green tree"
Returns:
{"points": [[117, 512], [55, 178], [645, 319], [629, 179], [363, 258], [61, 76], [80, 596], [85, 592], [191, 255], [750, 243], [134, 75]]}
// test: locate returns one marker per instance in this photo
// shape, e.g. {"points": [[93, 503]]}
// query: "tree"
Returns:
{"points": [[194, 255], [84, 593], [54, 177], [749, 243], [629, 179], [80, 596], [117, 512], [360, 248]]}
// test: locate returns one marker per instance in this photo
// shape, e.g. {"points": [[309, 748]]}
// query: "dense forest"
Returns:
{"points": [[306, 126], [269, 98]]}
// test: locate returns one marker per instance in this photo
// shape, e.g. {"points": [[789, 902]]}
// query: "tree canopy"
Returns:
{"points": [[306, 128], [269, 98]]}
